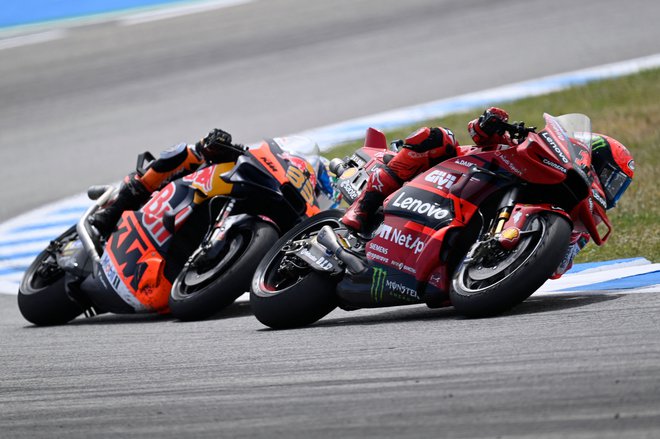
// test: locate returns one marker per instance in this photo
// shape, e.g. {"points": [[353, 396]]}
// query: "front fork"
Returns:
{"points": [[214, 241], [496, 238], [504, 210]]}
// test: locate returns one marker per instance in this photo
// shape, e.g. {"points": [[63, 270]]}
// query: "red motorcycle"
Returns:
{"points": [[481, 231]]}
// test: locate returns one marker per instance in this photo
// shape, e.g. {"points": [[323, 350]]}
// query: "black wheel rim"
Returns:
{"points": [[285, 271], [476, 275], [45, 271], [195, 278]]}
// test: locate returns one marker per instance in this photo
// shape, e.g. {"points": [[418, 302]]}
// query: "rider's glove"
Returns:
{"points": [[491, 121], [217, 146], [216, 138]]}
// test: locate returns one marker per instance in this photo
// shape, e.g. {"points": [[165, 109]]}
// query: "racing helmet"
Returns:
{"points": [[614, 166], [304, 153]]}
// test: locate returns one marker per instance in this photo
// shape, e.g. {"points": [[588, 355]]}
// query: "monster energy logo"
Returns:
{"points": [[378, 284], [597, 143]]}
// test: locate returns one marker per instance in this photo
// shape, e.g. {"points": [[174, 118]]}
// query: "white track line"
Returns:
{"points": [[580, 280], [26, 40], [178, 11], [331, 135]]}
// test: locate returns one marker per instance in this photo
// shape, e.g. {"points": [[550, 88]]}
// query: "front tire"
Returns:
{"points": [[293, 299], [516, 274], [42, 296], [199, 292]]}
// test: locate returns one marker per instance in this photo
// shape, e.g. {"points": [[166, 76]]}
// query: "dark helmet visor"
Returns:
{"points": [[614, 182]]}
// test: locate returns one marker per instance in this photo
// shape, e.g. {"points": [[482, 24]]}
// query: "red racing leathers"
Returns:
{"points": [[423, 149]]}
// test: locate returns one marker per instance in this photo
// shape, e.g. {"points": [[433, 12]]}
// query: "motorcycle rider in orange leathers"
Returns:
{"points": [[180, 160]]}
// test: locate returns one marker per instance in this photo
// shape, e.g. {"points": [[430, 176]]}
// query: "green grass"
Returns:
{"points": [[627, 109]]}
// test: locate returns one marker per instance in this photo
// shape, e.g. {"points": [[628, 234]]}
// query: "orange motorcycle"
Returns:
{"points": [[191, 250]]}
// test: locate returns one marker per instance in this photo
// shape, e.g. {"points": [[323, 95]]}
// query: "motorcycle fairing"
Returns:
{"points": [[135, 268], [208, 182], [134, 259], [591, 209], [436, 203], [279, 176], [268, 155], [378, 286], [511, 230], [174, 199]]}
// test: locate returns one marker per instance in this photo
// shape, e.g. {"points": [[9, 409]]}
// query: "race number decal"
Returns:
{"points": [[154, 211], [302, 182]]}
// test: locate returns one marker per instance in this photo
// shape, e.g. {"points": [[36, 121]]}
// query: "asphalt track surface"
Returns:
{"points": [[75, 111]]}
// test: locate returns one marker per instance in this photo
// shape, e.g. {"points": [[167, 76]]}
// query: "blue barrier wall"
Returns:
{"points": [[22, 12]]}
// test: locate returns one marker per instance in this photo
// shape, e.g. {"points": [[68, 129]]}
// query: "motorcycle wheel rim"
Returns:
{"points": [[272, 280], [194, 279], [474, 286]]}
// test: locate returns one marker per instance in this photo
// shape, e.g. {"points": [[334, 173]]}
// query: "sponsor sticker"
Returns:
{"points": [[378, 248], [598, 197], [551, 142], [441, 179], [401, 238], [400, 291], [465, 163], [516, 217], [376, 257], [509, 164], [321, 262], [348, 189], [554, 165], [411, 204], [378, 284], [117, 285]]}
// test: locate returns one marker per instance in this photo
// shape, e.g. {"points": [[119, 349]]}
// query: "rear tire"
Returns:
{"points": [[42, 299], [477, 295], [280, 302], [244, 249]]}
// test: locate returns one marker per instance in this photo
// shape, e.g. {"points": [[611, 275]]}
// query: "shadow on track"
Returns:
{"points": [[240, 309], [559, 302], [421, 313]]}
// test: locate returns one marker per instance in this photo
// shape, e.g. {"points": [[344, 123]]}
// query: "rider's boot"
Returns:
{"points": [[131, 196], [381, 183], [577, 242]]}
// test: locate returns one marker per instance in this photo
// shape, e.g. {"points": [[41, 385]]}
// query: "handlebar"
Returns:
{"points": [[517, 130]]}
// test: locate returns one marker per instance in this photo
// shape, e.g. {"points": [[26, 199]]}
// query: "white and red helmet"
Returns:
{"points": [[614, 166]]}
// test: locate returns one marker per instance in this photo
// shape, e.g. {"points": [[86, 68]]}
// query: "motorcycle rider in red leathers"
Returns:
{"points": [[427, 147]]}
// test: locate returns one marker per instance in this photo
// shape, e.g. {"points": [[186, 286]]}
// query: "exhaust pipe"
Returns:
{"points": [[328, 239], [89, 243]]}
